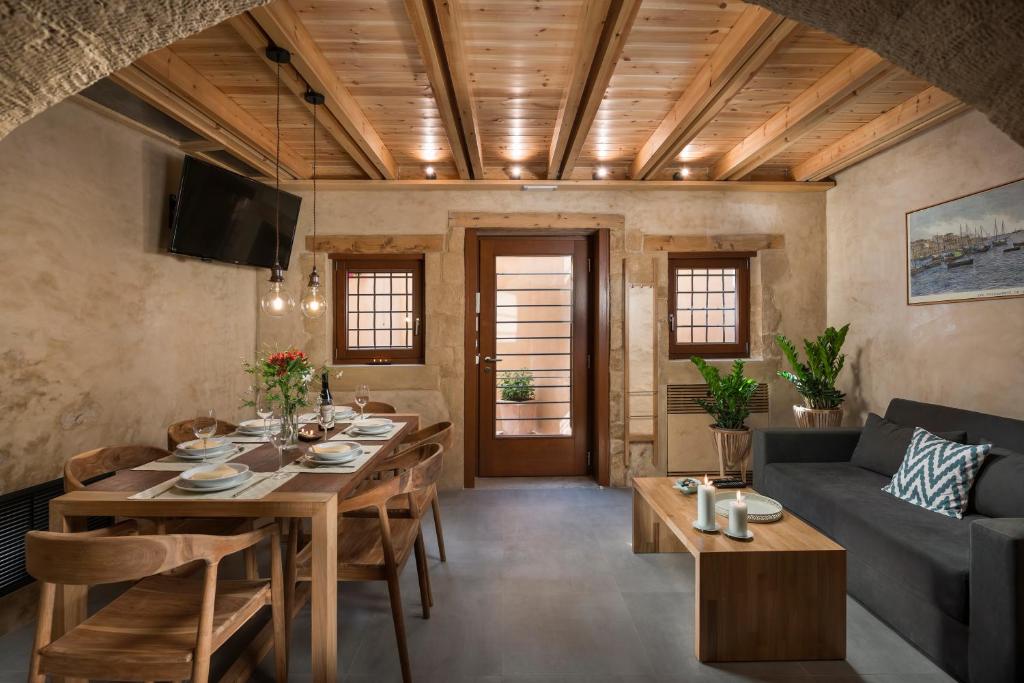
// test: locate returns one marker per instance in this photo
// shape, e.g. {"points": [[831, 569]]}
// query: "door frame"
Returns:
{"points": [[597, 230]]}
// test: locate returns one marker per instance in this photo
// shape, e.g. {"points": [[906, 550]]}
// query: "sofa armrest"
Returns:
{"points": [[996, 641], [802, 445]]}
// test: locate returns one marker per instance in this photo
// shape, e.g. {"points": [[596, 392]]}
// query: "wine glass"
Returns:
{"points": [[204, 425], [264, 409], [362, 398], [324, 415], [278, 439]]}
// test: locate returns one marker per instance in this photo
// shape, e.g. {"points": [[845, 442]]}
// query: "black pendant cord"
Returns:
{"points": [[314, 188], [277, 174]]}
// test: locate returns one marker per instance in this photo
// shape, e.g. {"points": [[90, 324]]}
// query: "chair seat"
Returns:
{"points": [[361, 550], [152, 624]]}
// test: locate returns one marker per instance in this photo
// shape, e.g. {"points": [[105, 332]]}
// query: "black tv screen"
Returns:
{"points": [[224, 216]]}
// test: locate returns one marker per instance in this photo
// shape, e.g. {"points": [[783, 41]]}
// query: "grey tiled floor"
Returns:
{"points": [[541, 586]]}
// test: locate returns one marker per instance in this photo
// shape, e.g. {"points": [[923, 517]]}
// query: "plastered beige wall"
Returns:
{"points": [[105, 338], [967, 354], [791, 298]]}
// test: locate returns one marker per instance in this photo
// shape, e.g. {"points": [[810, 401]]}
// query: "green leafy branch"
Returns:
{"points": [[815, 380], [729, 396]]}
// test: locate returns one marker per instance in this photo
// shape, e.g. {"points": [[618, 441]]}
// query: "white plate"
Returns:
{"points": [[336, 450], [376, 424], [186, 452], [257, 426], [312, 457], [760, 509], [186, 485], [343, 412]]}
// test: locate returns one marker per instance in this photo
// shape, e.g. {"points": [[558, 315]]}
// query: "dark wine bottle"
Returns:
{"points": [[325, 390]]}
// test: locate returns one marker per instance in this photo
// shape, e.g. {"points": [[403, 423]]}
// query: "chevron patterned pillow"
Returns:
{"points": [[937, 474]]}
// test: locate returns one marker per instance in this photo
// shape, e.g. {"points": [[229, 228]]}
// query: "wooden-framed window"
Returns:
{"points": [[379, 313], [709, 305]]}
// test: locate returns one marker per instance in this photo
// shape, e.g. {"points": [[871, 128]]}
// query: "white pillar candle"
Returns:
{"points": [[738, 516], [706, 505]]}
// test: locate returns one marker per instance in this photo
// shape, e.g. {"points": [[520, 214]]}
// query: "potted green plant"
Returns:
{"points": [[517, 386], [515, 410], [728, 402], [815, 380]]}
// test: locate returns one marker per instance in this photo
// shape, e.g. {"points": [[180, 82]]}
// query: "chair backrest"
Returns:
{"points": [[439, 432], [84, 466], [85, 560], [421, 469], [102, 556], [180, 432], [374, 407]]}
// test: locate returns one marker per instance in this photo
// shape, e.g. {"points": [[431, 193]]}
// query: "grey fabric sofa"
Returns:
{"points": [[954, 588]]}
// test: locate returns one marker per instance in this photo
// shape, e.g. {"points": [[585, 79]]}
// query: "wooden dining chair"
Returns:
{"points": [[377, 548], [376, 407], [164, 627], [180, 432], [98, 462], [439, 433]]}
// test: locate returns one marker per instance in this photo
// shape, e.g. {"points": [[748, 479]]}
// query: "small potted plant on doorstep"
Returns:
{"points": [[514, 409], [815, 380], [728, 402]]}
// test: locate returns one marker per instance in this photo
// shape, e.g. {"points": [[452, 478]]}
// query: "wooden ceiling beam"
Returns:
{"points": [[756, 34], [284, 27], [929, 108], [862, 69], [150, 90], [177, 75], [249, 31], [438, 30], [601, 34]]}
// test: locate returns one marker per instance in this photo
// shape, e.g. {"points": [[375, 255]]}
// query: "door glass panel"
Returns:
{"points": [[534, 341]]}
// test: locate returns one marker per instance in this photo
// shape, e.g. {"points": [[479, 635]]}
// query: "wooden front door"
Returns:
{"points": [[532, 363]]}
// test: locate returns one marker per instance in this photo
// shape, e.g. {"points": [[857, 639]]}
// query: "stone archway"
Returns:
{"points": [[54, 48], [970, 48]]}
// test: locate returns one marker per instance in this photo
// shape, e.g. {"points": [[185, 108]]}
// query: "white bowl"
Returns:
{"points": [[335, 450], [373, 425], [214, 476], [205, 447]]}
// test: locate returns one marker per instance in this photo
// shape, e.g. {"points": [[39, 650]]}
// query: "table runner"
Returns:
{"points": [[172, 463], [260, 485], [347, 468]]}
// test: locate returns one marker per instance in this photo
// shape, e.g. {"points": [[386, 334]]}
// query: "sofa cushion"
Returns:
{"points": [[997, 490], [883, 444], [925, 553], [937, 474]]}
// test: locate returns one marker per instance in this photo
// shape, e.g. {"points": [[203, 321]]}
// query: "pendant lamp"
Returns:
{"points": [[276, 300], [314, 303]]}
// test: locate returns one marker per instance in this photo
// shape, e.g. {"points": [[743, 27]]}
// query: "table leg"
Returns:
{"points": [[650, 535], [70, 602], [324, 589]]}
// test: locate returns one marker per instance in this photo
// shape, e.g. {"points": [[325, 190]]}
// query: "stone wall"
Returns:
{"points": [[790, 296], [967, 354], [106, 338]]}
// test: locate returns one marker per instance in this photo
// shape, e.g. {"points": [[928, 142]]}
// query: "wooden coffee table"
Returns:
{"points": [[781, 596]]}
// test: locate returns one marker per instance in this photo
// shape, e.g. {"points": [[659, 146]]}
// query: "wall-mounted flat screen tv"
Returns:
{"points": [[223, 216]]}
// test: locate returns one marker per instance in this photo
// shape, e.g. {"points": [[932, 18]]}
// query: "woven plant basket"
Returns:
{"points": [[814, 418], [733, 449]]}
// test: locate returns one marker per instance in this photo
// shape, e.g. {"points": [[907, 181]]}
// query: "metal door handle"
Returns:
{"points": [[488, 359]]}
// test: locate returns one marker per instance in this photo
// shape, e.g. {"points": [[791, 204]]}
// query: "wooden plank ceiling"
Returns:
{"points": [[551, 89]]}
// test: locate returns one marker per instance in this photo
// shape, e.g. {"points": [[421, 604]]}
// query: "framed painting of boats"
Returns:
{"points": [[968, 248]]}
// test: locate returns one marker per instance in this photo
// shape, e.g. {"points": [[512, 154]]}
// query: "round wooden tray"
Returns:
{"points": [[760, 509]]}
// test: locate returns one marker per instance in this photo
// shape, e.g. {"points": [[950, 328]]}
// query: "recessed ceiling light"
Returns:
{"points": [[515, 172], [600, 173], [430, 173], [681, 173]]}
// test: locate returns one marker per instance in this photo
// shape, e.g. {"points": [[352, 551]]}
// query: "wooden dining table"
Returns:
{"points": [[312, 495]]}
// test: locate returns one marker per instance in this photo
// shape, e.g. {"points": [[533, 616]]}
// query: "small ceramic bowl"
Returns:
{"points": [[687, 485]]}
